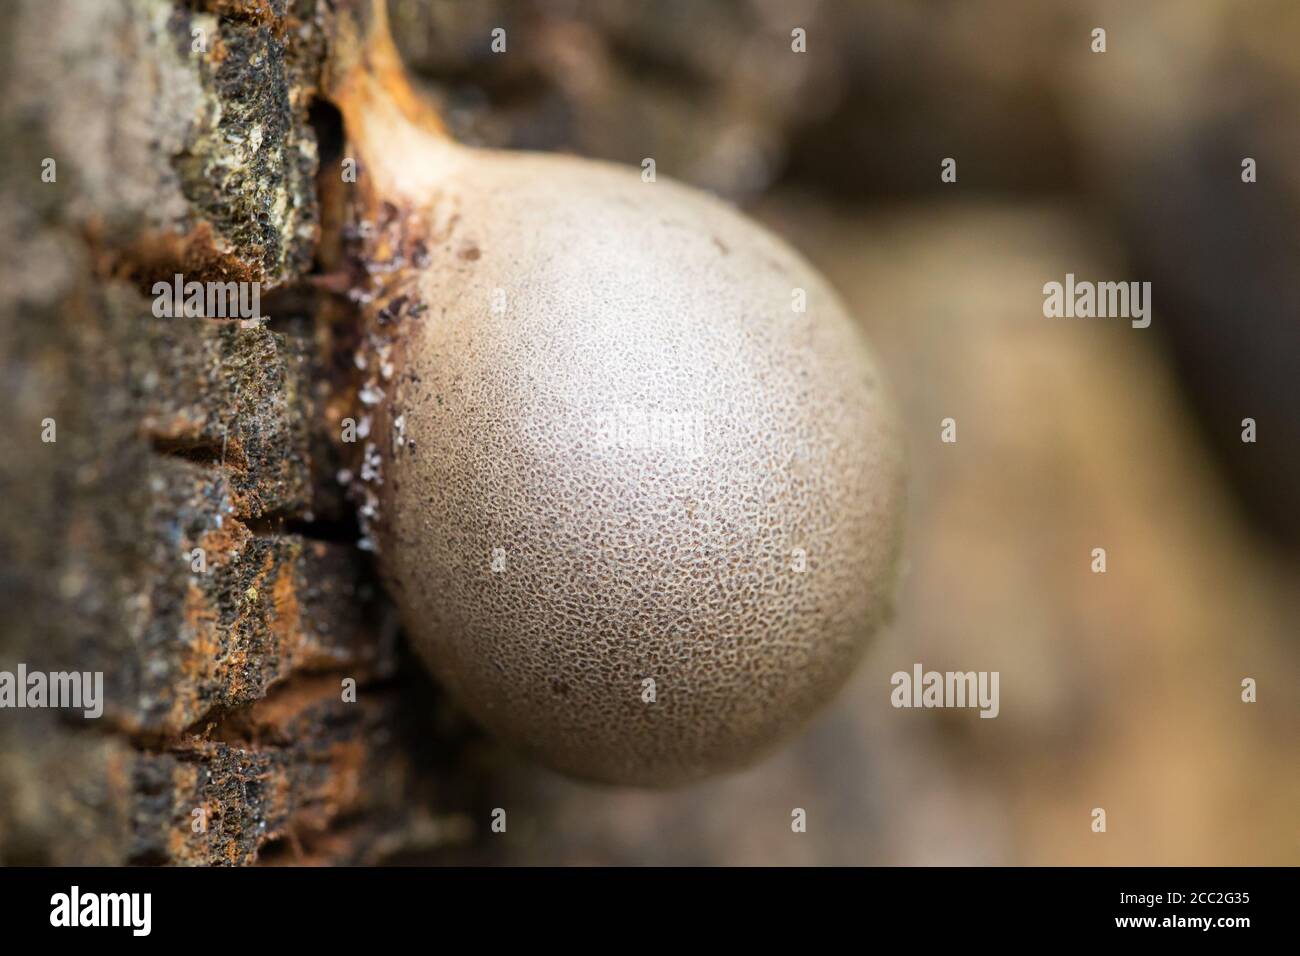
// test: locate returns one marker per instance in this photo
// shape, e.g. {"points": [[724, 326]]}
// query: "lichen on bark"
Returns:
{"points": [[169, 538]]}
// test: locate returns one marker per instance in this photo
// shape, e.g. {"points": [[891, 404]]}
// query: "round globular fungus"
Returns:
{"points": [[639, 485]]}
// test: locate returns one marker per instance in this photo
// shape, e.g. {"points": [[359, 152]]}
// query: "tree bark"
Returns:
{"points": [[182, 533]]}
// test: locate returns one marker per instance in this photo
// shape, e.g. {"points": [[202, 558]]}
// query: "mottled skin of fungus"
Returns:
{"points": [[648, 430]]}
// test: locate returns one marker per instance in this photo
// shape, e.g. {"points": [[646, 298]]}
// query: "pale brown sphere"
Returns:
{"points": [[645, 512]]}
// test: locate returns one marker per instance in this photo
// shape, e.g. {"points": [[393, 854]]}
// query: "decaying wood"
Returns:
{"points": [[182, 534]]}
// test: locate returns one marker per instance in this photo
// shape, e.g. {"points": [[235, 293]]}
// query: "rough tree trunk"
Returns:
{"points": [[181, 142]]}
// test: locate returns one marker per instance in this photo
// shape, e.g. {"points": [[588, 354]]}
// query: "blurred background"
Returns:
{"points": [[1119, 690]]}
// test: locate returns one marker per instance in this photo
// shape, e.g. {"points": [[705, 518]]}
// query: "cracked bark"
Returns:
{"points": [[182, 143]]}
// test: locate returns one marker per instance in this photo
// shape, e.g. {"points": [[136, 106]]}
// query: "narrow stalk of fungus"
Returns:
{"points": [[639, 486]]}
